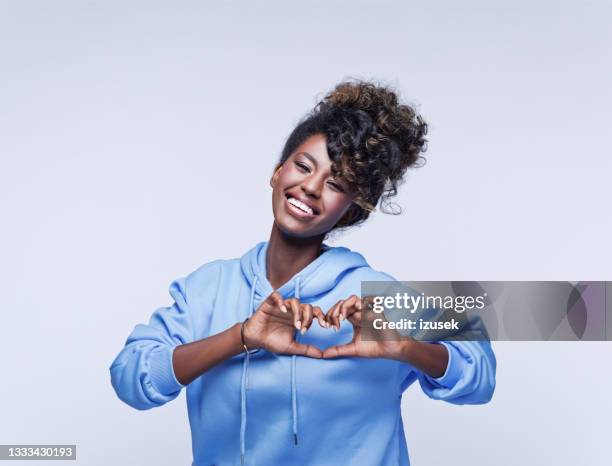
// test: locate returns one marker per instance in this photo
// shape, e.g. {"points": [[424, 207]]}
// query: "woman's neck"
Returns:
{"points": [[287, 255]]}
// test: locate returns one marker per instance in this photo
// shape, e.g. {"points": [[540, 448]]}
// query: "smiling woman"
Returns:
{"points": [[241, 330], [307, 199]]}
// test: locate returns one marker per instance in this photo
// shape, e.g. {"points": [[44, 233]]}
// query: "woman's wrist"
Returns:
{"points": [[234, 332], [428, 357], [246, 338], [402, 350]]}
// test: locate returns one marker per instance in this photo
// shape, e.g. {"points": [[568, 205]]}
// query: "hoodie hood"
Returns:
{"points": [[317, 278]]}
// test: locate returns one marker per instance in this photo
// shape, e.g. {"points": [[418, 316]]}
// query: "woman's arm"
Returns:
{"points": [[429, 358], [142, 374], [193, 359], [161, 358], [460, 372], [271, 327], [469, 377]]}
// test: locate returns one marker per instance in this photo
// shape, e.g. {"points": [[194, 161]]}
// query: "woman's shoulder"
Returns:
{"points": [[213, 269], [364, 273], [362, 270], [367, 273], [201, 285]]}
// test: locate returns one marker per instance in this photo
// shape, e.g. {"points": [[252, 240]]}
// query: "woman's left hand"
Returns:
{"points": [[351, 309]]}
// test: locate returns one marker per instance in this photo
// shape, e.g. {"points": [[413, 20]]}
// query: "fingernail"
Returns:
{"points": [[298, 324], [341, 317], [283, 308], [335, 329], [303, 331]]}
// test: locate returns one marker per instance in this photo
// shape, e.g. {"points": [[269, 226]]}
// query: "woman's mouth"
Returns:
{"points": [[299, 209]]}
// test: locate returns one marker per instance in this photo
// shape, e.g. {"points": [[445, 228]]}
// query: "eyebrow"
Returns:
{"points": [[310, 157], [340, 180]]}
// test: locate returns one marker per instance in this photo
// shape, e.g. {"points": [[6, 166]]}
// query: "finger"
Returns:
{"points": [[367, 302], [332, 315], [306, 317], [305, 350], [274, 305], [337, 313], [342, 311], [327, 316], [276, 300], [338, 351], [284, 317], [355, 318], [318, 314], [297, 314], [329, 312], [349, 306]]}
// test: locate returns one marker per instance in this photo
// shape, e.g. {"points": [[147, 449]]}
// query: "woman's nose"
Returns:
{"points": [[312, 186]]}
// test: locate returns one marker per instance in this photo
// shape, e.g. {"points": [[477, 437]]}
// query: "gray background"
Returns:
{"points": [[137, 142]]}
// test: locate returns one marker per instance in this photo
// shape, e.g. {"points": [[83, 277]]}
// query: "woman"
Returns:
{"points": [[265, 386]]}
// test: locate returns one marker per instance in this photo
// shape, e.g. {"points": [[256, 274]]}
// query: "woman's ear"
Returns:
{"points": [[276, 174]]}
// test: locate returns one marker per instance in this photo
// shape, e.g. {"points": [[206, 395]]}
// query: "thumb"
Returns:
{"points": [[302, 349], [337, 351]]}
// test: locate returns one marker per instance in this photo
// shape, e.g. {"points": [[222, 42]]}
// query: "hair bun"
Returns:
{"points": [[381, 104]]}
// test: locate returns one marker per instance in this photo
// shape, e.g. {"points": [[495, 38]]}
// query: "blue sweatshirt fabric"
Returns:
{"points": [[266, 409]]}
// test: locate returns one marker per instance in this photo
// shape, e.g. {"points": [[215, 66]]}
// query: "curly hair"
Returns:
{"points": [[371, 140]]}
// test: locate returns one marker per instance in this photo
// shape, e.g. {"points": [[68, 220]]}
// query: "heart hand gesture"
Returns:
{"points": [[352, 309]]}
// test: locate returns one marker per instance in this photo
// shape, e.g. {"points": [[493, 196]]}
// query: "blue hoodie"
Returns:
{"points": [[266, 409]]}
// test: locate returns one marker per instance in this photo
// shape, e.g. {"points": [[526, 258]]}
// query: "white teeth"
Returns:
{"points": [[300, 205]]}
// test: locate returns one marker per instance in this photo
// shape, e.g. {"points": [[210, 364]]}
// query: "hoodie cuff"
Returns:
{"points": [[454, 368], [161, 371]]}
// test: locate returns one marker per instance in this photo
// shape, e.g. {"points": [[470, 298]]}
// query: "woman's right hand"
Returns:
{"points": [[272, 327]]}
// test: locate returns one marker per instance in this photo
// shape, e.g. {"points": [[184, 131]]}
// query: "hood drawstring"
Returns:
{"points": [[245, 382], [293, 384]]}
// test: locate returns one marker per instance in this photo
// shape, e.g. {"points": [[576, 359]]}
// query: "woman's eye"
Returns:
{"points": [[303, 167], [336, 186]]}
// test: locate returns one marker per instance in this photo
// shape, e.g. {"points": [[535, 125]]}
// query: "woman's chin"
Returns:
{"points": [[293, 228]]}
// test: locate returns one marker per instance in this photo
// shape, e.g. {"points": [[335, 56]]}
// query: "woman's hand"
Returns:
{"points": [[351, 309], [272, 327]]}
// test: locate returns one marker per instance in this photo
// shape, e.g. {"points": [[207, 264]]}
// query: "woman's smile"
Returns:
{"points": [[300, 208]]}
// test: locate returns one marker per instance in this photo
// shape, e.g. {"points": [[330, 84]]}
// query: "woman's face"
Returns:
{"points": [[306, 200]]}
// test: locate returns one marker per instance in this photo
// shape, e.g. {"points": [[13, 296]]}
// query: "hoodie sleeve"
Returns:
{"points": [[469, 376], [142, 373]]}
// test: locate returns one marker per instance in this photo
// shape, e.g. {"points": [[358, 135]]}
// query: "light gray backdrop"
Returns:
{"points": [[137, 142]]}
